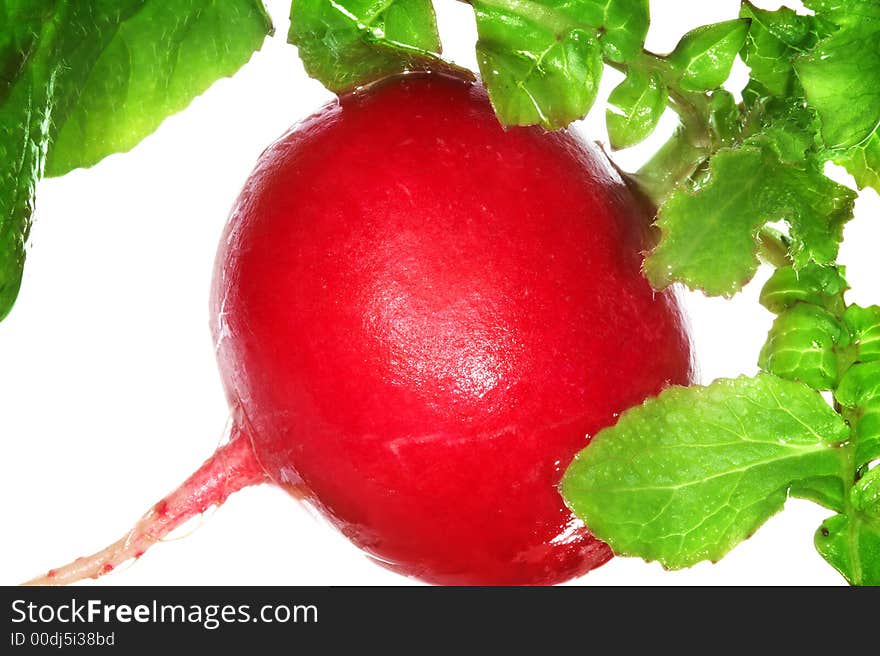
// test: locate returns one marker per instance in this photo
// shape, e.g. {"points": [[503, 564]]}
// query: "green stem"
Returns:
{"points": [[692, 108], [674, 163], [851, 468], [849, 474], [691, 143]]}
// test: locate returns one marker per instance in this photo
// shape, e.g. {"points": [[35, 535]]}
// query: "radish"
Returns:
{"points": [[420, 317]]}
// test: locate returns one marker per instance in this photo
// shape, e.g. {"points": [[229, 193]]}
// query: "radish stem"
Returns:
{"points": [[232, 467]]}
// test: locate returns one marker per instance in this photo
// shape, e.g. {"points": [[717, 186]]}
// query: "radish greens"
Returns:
{"points": [[687, 475]]}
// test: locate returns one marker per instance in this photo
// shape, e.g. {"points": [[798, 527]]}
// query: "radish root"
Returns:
{"points": [[232, 467]]}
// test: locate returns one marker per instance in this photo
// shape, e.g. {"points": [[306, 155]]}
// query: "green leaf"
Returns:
{"points": [[634, 108], [708, 233], [348, 43], [815, 284], [704, 56], [774, 39], [623, 24], [859, 393], [26, 89], [841, 78], [827, 491], [841, 75], [151, 66], [863, 324], [865, 494], [862, 162], [80, 80], [851, 544], [788, 128], [691, 473], [537, 70], [542, 61], [801, 346]]}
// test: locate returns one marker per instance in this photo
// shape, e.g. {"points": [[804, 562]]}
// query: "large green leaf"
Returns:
{"points": [[775, 38], [26, 89], [708, 233], [81, 80], [117, 89], [841, 78], [691, 473], [841, 75]]}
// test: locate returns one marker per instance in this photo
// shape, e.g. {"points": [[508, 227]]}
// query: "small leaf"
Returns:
{"points": [[531, 89], [691, 473], [542, 61], [704, 56], [624, 25], [537, 72], [841, 75], [708, 233], [863, 324], [851, 544], [815, 284], [789, 129], [635, 108], [621, 25], [774, 39], [348, 43], [859, 393], [801, 346]]}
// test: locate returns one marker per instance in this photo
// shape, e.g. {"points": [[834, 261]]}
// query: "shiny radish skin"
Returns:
{"points": [[423, 316], [420, 317]]}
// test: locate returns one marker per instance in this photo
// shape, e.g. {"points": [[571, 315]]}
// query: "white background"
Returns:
{"points": [[110, 397]]}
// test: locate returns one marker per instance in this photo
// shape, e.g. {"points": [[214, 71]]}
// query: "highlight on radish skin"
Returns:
{"points": [[420, 318]]}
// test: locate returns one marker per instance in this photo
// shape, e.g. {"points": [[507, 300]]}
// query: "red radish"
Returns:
{"points": [[420, 318]]}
